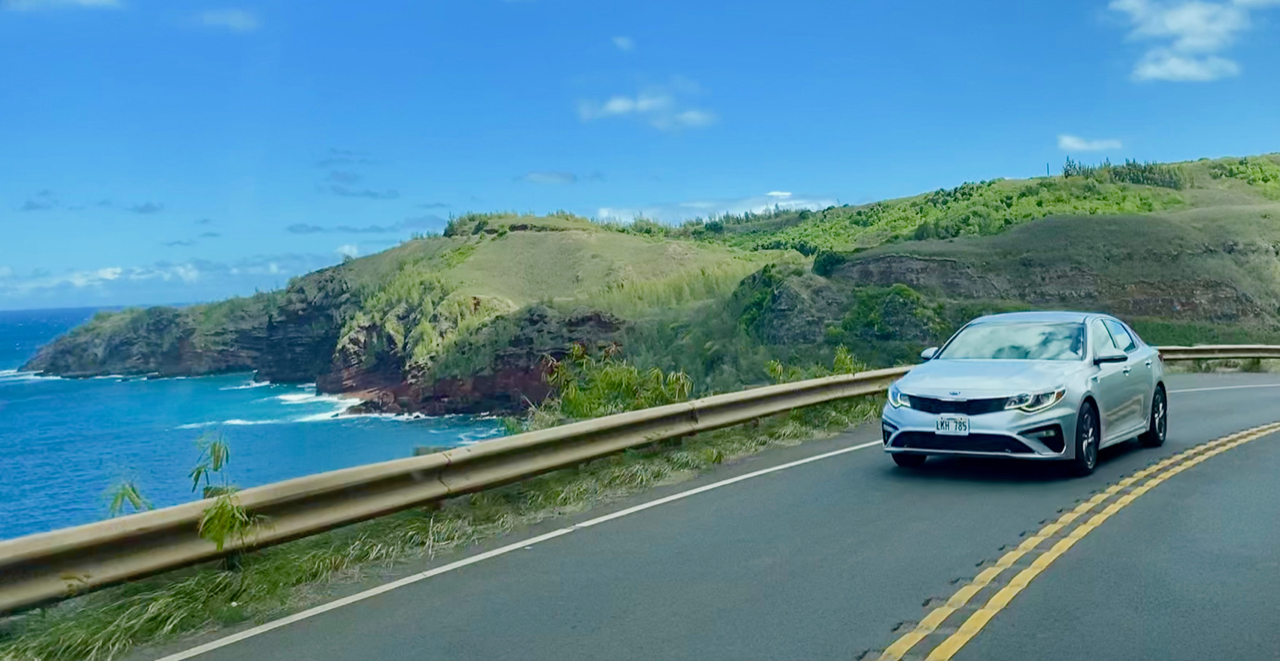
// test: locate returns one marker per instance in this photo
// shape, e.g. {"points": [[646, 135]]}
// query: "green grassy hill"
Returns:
{"points": [[991, 207], [463, 321]]}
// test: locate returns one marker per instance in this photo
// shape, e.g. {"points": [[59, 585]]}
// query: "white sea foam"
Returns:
{"points": [[320, 417], [307, 398], [12, 376], [471, 438], [337, 412], [247, 386], [197, 425], [234, 422]]}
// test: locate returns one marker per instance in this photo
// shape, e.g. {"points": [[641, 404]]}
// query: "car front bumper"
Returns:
{"points": [[1012, 434]]}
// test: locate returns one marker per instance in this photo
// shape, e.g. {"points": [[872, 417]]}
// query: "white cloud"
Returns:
{"points": [[161, 282], [1189, 36], [681, 211], [659, 106], [1075, 143], [187, 273], [624, 44], [1162, 64], [5, 271], [347, 250], [33, 5], [236, 20]]}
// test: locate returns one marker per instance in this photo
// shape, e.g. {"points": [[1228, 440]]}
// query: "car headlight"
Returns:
{"points": [[898, 400], [1032, 403]]}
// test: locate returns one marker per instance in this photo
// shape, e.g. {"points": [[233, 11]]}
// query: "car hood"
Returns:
{"points": [[973, 379]]}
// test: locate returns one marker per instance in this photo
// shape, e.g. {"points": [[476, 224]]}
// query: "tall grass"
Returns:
{"points": [[640, 298]]}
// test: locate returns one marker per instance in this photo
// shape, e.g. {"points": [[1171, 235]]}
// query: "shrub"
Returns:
{"points": [[827, 262], [1130, 172]]}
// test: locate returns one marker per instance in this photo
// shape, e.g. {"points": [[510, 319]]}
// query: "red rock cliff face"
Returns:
{"points": [[512, 379]]}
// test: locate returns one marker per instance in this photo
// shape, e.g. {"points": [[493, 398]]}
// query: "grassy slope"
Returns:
{"points": [[559, 258], [1236, 245], [525, 267]]}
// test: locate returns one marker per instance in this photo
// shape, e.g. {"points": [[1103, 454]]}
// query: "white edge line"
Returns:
{"points": [[1261, 385], [414, 578]]}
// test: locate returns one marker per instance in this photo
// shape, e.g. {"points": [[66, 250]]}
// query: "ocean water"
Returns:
{"points": [[65, 442]]}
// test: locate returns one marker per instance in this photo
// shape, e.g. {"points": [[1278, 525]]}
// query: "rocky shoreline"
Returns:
{"points": [[510, 359]]}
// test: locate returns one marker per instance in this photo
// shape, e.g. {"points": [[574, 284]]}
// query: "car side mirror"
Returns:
{"points": [[929, 353], [1111, 356]]}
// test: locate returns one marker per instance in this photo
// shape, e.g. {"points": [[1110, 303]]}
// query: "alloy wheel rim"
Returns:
{"points": [[1162, 418], [1090, 441]]}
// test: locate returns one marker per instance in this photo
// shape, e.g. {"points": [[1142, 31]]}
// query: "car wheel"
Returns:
{"points": [[1088, 436], [909, 460], [1159, 426]]}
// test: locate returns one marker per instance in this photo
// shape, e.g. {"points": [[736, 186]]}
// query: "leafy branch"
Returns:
{"points": [[126, 495]]}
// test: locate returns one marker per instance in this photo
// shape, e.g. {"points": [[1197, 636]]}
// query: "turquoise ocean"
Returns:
{"points": [[65, 442]]}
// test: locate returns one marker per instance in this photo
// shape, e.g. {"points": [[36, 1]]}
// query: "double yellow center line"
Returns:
{"points": [[1148, 477]]}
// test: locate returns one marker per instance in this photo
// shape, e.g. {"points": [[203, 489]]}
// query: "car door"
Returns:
{"points": [[1112, 383], [1138, 374]]}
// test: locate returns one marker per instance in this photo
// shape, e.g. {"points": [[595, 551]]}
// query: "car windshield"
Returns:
{"points": [[1017, 341]]}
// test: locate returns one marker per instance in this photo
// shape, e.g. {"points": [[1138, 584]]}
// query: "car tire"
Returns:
{"points": [[909, 460], [1088, 439], [1158, 426]]}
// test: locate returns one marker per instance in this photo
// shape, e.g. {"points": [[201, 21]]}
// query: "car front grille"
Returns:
{"points": [[918, 440], [964, 406]]}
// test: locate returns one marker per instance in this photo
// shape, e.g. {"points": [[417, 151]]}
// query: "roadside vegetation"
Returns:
{"points": [[269, 583]]}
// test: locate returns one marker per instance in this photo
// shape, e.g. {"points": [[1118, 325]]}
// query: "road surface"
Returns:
{"points": [[839, 557]]}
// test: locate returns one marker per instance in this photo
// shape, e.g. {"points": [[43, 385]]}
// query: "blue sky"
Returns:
{"points": [[178, 151]]}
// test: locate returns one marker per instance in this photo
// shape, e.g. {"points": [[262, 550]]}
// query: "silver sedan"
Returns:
{"points": [[1029, 385]]}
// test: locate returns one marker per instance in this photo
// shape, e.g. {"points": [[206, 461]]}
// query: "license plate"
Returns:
{"points": [[953, 425]]}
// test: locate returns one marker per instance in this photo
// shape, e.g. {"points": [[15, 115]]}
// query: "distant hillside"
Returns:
{"points": [[1197, 275], [465, 321], [388, 325], [991, 207]]}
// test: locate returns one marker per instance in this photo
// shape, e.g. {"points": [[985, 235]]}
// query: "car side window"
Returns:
{"points": [[1136, 338], [1121, 336], [1101, 337]]}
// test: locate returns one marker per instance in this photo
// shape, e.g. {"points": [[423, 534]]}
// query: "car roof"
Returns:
{"points": [[1044, 316]]}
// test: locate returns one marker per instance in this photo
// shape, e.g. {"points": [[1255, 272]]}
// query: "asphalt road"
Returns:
{"points": [[837, 557]]}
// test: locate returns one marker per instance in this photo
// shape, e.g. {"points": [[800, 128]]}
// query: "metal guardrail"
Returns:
{"points": [[49, 566], [1221, 352], [46, 567]]}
